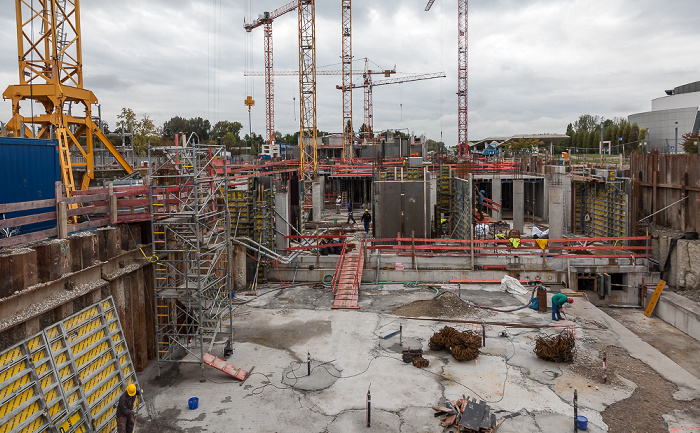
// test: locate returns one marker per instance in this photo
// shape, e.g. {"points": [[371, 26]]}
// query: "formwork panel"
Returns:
{"points": [[68, 377]]}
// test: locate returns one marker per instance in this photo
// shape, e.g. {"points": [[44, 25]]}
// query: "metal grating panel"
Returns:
{"points": [[69, 377]]}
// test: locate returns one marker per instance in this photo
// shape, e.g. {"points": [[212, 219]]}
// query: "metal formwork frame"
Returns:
{"points": [[68, 377], [191, 239]]}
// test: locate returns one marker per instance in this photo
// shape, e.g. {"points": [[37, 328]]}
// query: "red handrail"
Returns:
{"points": [[338, 267]]}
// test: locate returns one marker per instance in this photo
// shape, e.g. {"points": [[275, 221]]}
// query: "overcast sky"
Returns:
{"points": [[534, 65]]}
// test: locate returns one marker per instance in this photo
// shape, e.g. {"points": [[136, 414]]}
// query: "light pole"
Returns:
{"points": [[675, 148]]}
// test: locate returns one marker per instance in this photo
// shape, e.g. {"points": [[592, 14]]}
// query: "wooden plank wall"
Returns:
{"points": [[663, 180]]}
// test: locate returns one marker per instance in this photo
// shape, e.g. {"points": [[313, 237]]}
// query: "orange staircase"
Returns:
{"points": [[347, 279]]}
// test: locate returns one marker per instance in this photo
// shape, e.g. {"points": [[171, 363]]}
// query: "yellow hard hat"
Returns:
{"points": [[131, 390]]}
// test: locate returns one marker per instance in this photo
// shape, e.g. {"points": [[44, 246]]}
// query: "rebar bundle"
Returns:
{"points": [[556, 348], [464, 346], [420, 362]]}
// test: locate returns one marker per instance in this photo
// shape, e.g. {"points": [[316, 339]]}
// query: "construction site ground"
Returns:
{"points": [[645, 391]]}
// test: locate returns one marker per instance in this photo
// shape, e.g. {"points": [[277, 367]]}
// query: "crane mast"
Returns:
{"points": [[265, 20], [307, 99], [347, 82], [462, 73], [49, 45]]}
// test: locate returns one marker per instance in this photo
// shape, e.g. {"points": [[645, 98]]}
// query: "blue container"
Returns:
{"points": [[582, 422], [29, 169], [193, 403]]}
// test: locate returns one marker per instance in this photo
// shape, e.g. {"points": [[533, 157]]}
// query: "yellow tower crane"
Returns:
{"points": [[307, 101], [49, 46]]}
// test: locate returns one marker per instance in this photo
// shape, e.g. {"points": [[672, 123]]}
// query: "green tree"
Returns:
{"points": [[291, 139], [175, 125], [255, 141], [524, 144], [224, 127], [690, 142], [435, 146], [127, 117], [587, 123], [145, 132]]}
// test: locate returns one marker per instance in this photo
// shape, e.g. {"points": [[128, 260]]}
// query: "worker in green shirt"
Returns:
{"points": [[558, 301]]}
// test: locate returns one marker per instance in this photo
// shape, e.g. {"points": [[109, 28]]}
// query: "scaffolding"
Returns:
{"points": [[191, 244]]}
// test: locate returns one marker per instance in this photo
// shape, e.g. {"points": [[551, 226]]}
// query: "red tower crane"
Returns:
{"points": [[369, 84], [462, 72], [266, 19]]}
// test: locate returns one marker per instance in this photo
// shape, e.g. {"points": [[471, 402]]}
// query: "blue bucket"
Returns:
{"points": [[193, 403], [582, 422]]}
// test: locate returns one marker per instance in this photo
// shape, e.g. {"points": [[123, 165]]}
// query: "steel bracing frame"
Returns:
{"points": [[49, 46], [348, 136], [307, 102], [191, 239]]}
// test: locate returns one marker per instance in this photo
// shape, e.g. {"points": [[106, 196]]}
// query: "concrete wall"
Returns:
{"points": [[685, 260], [678, 311], [64, 276]]}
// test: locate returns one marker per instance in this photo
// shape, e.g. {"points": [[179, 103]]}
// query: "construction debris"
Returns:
{"points": [[556, 348], [467, 415], [464, 346]]}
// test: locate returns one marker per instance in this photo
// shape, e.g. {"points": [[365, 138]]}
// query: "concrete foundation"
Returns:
{"points": [[275, 333]]}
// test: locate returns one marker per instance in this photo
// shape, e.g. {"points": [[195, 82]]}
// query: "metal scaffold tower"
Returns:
{"points": [[307, 101], [191, 241]]}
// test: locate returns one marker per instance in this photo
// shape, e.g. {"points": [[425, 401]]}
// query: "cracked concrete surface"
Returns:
{"points": [[275, 332]]}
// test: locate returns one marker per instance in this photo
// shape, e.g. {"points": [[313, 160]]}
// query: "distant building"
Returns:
{"points": [[487, 143], [678, 109]]}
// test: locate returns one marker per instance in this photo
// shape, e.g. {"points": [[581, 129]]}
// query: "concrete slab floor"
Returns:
{"points": [[275, 331]]}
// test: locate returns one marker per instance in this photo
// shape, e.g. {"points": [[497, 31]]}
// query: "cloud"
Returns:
{"points": [[534, 65]]}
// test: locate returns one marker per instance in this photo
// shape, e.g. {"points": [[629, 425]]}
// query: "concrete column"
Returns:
{"points": [[239, 268], [317, 201], [519, 204], [496, 196], [283, 229], [568, 205], [556, 211]]}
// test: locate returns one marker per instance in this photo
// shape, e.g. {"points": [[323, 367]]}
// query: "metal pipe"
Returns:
{"points": [[672, 204]]}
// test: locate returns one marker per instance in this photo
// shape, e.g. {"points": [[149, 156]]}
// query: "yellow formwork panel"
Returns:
{"points": [[9, 356], [70, 422], [16, 384], [20, 416], [79, 318], [99, 397], [89, 356], [71, 367]]}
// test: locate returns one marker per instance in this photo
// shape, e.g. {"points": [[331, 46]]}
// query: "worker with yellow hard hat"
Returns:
{"points": [[338, 202], [366, 219], [125, 410]]}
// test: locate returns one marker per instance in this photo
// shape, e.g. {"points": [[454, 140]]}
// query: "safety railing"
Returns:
{"points": [[565, 247], [338, 268], [84, 210]]}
